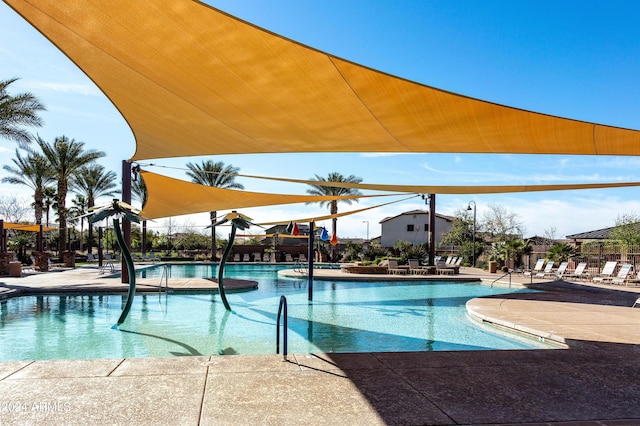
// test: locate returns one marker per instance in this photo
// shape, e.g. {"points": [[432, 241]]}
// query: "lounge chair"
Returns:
{"points": [[579, 273], [288, 257], [246, 258], [561, 270], [415, 268], [537, 267], [91, 258], [236, 257], [302, 257], [547, 270], [266, 257], [394, 269], [257, 257], [623, 273], [606, 273], [637, 303]]}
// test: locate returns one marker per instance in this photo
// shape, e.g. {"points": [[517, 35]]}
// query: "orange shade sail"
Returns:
{"points": [[191, 80]]}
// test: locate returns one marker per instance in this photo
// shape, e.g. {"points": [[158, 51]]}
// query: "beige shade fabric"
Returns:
{"points": [[191, 80], [26, 227], [174, 197]]}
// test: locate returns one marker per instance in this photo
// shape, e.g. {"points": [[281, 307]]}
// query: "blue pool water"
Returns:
{"points": [[343, 317]]}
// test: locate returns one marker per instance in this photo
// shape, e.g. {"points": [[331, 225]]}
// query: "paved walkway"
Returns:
{"points": [[594, 382]]}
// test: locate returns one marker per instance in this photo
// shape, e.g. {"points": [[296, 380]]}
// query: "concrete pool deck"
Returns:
{"points": [[594, 382]]}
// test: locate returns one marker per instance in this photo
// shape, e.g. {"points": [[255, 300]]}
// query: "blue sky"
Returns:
{"points": [[572, 59]]}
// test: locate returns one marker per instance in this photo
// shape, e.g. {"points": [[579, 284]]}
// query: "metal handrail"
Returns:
{"points": [[301, 267], [281, 307], [501, 277], [165, 275]]}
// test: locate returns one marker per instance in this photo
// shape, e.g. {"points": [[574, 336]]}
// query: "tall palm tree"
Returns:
{"points": [[32, 171], [17, 111], [49, 201], [321, 190], [67, 157], [78, 210], [92, 182], [218, 175]]}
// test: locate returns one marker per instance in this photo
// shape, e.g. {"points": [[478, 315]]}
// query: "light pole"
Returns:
{"points": [[474, 229], [367, 222]]}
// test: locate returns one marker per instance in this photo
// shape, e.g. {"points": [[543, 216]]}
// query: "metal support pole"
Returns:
{"points": [[474, 230], [311, 259], [126, 223], [432, 229]]}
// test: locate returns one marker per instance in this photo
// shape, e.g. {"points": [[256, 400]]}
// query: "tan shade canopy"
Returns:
{"points": [[173, 197], [191, 80], [26, 227]]}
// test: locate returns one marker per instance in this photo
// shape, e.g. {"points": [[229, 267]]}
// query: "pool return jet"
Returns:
{"points": [[120, 209]]}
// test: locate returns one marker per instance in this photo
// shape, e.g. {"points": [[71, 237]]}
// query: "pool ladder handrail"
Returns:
{"points": [[282, 307], [165, 276], [501, 277], [301, 267]]}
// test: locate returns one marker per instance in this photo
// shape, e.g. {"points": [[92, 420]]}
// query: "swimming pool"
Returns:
{"points": [[343, 317]]}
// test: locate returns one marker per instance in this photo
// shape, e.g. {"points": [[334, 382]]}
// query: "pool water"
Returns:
{"points": [[343, 317]]}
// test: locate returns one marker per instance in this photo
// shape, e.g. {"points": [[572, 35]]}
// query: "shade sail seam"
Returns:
{"points": [[364, 104]]}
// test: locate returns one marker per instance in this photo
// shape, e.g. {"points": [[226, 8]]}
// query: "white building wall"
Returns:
{"points": [[397, 228]]}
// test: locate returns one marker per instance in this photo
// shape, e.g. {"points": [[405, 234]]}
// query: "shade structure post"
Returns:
{"points": [[3, 239], [432, 228], [310, 256]]}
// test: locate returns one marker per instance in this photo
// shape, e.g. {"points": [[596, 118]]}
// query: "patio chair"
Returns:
{"points": [[561, 270], [246, 258], [288, 257], [621, 278], [302, 257], [91, 258], [547, 270], [257, 257], [579, 273], [537, 267], [606, 273], [236, 257], [394, 269], [415, 268]]}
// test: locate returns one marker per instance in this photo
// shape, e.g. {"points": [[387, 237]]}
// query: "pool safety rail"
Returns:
{"points": [[501, 277], [282, 308], [301, 267], [164, 276]]}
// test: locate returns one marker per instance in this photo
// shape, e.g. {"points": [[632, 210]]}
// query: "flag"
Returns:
{"points": [[334, 239], [324, 236], [295, 230]]}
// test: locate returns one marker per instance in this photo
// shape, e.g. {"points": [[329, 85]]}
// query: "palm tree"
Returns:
{"points": [[324, 191], [67, 157], [92, 182], [49, 201], [79, 209], [17, 111], [217, 175], [32, 171]]}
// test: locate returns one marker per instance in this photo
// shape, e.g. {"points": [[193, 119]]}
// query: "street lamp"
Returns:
{"points": [[367, 222], [474, 229]]}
